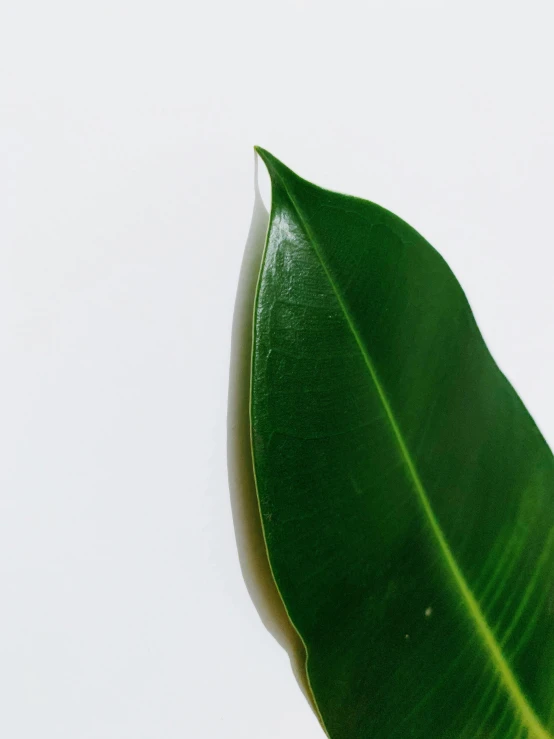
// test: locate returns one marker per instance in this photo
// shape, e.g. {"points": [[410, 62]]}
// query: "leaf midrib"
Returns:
{"points": [[526, 713]]}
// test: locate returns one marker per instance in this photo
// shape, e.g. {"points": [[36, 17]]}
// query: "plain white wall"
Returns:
{"points": [[126, 166]]}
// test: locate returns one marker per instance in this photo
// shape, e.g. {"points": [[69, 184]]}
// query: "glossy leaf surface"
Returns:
{"points": [[407, 497]]}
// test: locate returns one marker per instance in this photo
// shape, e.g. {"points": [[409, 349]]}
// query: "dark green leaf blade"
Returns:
{"points": [[407, 497]]}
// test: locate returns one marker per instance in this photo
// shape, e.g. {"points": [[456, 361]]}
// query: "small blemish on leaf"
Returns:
{"points": [[428, 612]]}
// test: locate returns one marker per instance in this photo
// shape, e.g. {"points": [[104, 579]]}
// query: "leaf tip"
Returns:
{"points": [[265, 156], [275, 168]]}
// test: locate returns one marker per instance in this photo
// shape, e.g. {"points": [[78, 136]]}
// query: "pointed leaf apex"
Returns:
{"points": [[274, 166]]}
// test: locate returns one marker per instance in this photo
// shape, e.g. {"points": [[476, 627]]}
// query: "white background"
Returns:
{"points": [[126, 190]]}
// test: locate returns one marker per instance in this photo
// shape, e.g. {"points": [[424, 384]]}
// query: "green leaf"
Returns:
{"points": [[407, 497]]}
